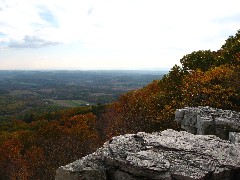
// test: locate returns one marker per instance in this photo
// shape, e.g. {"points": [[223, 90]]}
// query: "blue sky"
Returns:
{"points": [[111, 34]]}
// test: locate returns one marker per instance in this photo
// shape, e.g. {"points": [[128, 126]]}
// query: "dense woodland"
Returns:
{"points": [[35, 149]]}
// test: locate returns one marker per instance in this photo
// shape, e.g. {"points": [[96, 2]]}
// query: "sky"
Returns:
{"points": [[111, 34]]}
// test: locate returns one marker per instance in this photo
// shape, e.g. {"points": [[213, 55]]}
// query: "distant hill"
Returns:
{"points": [[31, 92]]}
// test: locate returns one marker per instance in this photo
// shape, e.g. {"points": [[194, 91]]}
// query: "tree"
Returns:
{"points": [[211, 88], [202, 60], [12, 164], [230, 51]]}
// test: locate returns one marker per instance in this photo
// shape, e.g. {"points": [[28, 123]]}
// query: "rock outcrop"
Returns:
{"points": [[164, 155], [210, 121]]}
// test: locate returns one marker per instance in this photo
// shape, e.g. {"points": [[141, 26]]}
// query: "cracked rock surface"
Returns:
{"points": [[207, 120], [164, 155]]}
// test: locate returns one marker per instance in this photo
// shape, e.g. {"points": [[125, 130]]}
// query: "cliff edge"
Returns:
{"points": [[164, 155]]}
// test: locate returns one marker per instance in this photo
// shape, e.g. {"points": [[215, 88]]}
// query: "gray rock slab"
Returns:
{"points": [[164, 155], [207, 121]]}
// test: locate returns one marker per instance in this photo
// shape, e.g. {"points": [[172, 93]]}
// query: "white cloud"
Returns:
{"points": [[156, 32], [31, 42]]}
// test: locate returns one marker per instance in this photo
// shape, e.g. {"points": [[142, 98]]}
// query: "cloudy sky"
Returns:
{"points": [[111, 34]]}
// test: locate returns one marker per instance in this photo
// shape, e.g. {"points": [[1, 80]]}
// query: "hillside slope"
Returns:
{"points": [[206, 78]]}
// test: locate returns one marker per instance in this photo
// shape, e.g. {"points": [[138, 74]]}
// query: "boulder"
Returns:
{"points": [[208, 121], [162, 155]]}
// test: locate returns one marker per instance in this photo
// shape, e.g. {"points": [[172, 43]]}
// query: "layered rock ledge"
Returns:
{"points": [[210, 121], [164, 155]]}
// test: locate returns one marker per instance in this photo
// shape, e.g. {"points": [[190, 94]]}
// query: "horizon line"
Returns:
{"points": [[148, 69]]}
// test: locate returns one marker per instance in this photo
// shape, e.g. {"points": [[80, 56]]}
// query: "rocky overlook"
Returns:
{"points": [[162, 155], [210, 121]]}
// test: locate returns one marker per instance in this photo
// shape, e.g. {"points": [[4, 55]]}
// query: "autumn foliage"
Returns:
{"points": [[35, 149]]}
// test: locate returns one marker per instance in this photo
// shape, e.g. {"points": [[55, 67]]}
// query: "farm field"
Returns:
{"points": [[69, 103]]}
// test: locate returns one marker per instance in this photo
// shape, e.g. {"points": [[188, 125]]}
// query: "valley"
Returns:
{"points": [[25, 92]]}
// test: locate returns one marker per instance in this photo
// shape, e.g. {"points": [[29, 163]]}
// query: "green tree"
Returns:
{"points": [[202, 60], [230, 51]]}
